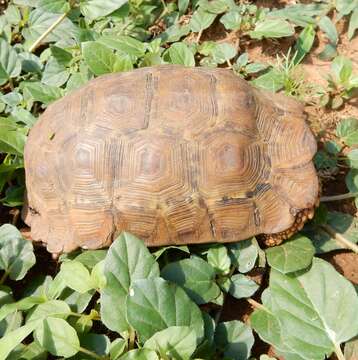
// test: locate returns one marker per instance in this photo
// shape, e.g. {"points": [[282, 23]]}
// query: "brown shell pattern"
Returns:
{"points": [[174, 155]]}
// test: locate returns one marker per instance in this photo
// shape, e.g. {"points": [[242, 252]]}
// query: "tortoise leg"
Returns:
{"points": [[301, 217]]}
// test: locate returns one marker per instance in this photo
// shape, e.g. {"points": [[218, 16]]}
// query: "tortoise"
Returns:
{"points": [[173, 155]]}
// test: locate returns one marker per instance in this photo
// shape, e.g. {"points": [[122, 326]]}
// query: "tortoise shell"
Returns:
{"points": [[171, 154]]}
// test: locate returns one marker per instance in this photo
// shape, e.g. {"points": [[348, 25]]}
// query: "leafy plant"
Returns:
{"points": [[342, 83]]}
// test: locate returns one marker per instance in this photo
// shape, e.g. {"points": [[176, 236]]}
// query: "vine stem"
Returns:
{"points": [[90, 353], [51, 28], [4, 277], [131, 339], [338, 197], [255, 304], [197, 40], [338, 351], [218, 314], [340, 238]]}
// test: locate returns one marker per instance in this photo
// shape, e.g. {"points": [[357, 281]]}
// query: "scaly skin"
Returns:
{"points": [[301, 217]]}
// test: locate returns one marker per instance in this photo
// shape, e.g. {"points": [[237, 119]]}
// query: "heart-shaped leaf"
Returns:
{"points": [[314, 311], [178, 342], [156, 304], [57, 337], [292, 255], [195, 276], [16, 253], [127, 260], [235, 339]]}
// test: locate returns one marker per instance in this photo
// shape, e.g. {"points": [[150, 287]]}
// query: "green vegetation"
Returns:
{"points": [[169, 303]]}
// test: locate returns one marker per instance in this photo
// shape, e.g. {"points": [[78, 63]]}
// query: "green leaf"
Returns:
{"points": [[16, 254], [242, 286], [222, 53], [23, 304], [156, 304], [178, 342], [201, 20], [219, 259], [269, 329], [327, 26], [14, 338], [353, 24], [14, 196], [124, 44], [231, 20], [117, 348], [292, 255], [353, 158], [41, 92], [195, 276], [13, 320], [38, 23], [99, 58], [12, 14], [315, 309], [32, 351], [90, 258], [352, 182], [180, 54], [302, 14], [183, 6], [62, 56], [76, 276], [255, 67], [341, 67], [328, 53], [343, 224], [347, 130], [77, 80], [54, 73], [10, 64], [272, 28], [57, 337], [345, 6], [97, 276], [235, 339], [127, 260], [273, 80], [304, 42], [12, 138], [93, 9], [97, 343], [157, 254], [244, 254], [51, 308], [30, 63], [216, 6], [24, 116], [140, 354], [54, 6]]}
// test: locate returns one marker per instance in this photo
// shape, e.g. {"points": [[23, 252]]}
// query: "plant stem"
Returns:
{"points": [[339, 238], [198, 36], [218, 314], [338, 197], [51, 28], [255, 304], [90, 353], [338, 351], [131, 339], [4, 277]]}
